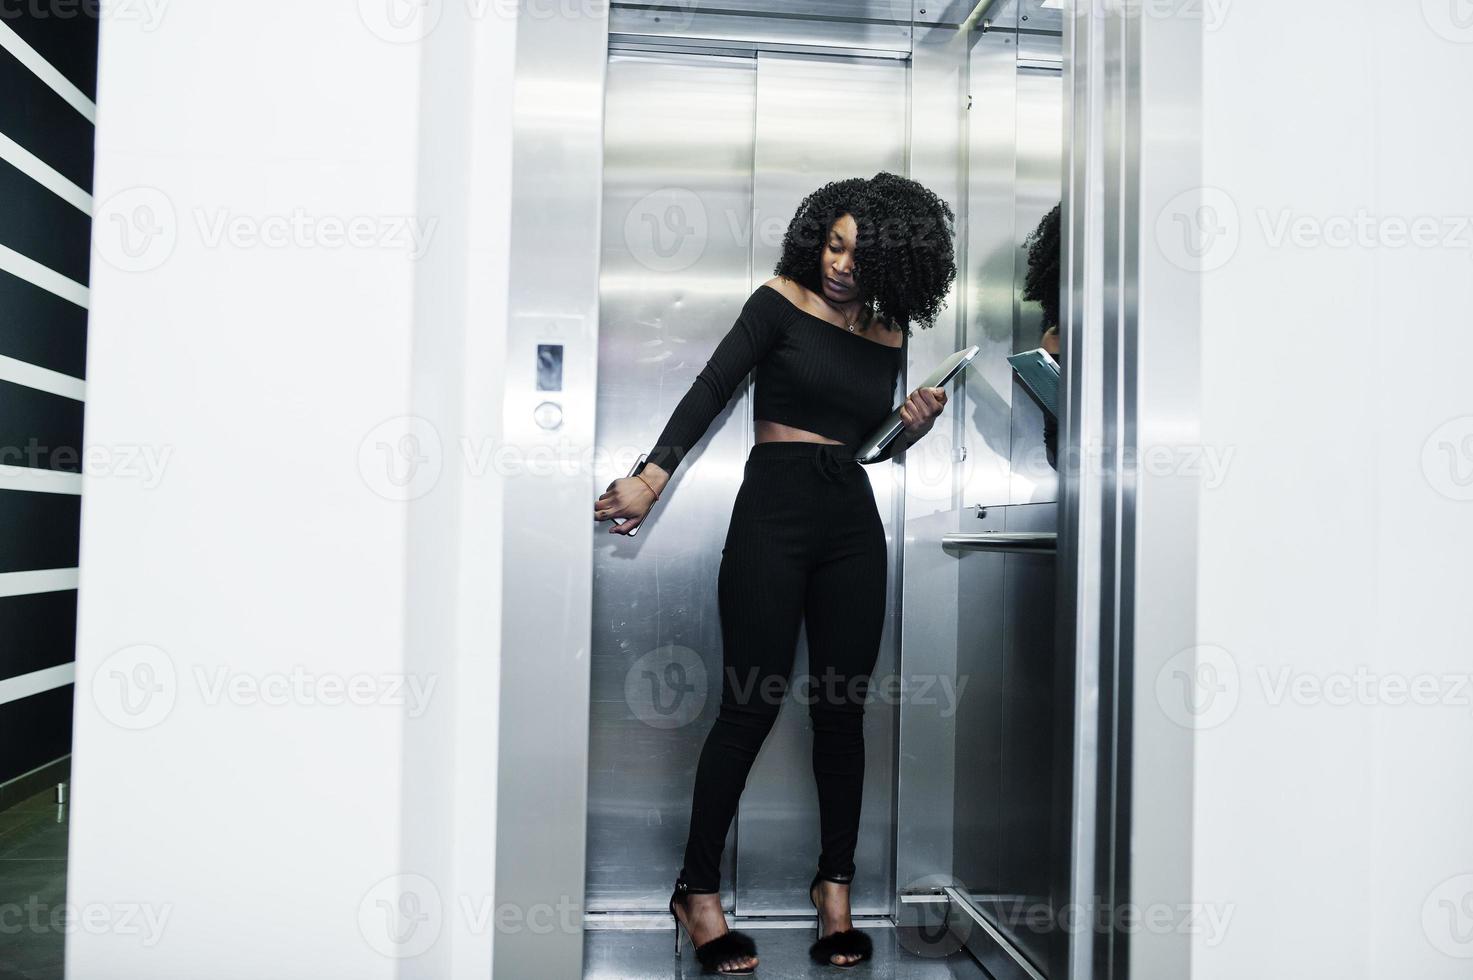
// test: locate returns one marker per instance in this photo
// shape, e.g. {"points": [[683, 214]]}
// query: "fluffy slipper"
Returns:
{"points": [[731, 945], [849, 942]]}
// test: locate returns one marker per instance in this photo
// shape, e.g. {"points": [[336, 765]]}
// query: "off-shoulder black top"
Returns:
{"points": [[810, 374]]}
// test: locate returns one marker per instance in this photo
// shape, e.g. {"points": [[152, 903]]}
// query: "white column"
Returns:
{"points": [[1328, 695], [285, 725]]}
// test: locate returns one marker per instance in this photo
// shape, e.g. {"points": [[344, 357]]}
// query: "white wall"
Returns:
{"points": [[275, 828], [1336, 838]]}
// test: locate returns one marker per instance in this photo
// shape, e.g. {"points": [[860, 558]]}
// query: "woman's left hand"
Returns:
{"points": [[920, 410]]}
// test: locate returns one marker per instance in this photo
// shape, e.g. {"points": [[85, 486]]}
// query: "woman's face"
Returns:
{"points": [[836, 263]]}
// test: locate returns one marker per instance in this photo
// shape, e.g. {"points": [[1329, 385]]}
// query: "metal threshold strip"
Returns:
{"points": [[1012, 542], [991, 948]]}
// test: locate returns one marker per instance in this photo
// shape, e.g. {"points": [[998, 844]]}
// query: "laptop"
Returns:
{"points": [[948, 369]]}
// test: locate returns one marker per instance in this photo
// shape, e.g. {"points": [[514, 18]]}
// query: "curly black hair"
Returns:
{"points": [[904, 262], [1041, 285]]}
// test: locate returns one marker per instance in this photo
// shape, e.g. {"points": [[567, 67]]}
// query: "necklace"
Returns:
{"points": [[852, 322]]}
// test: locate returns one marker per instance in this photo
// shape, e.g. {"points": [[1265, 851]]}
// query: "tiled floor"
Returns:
{"points": [[618, 954], [33, 841]]}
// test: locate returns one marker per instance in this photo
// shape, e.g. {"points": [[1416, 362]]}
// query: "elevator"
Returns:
{"points": [[717, 122]]}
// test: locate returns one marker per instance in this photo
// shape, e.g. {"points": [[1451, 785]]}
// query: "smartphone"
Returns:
{"points": [[619, 521]]}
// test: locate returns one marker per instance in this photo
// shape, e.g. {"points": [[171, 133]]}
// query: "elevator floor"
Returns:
{"points": [[649, 954]]}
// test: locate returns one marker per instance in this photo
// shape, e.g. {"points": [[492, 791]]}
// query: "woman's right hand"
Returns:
{"points": [[628, 497], [1050, 341]]}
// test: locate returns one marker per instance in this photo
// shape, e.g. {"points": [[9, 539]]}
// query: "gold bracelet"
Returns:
{"points": [[641, 479]]}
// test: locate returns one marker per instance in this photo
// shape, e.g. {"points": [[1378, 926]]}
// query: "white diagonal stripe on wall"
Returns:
{"points": [[42, 173], [42, 379], [37, 682], [37, 479], [40, 580], [37, 274], [46, 71]]}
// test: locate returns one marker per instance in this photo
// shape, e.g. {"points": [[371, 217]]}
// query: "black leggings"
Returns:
{"points": [[805, 544]]}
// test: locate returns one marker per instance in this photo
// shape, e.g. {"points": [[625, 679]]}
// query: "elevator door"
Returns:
{"points": [[706, 159]]}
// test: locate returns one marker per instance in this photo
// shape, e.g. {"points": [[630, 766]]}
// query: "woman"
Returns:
{"points": [[861, 260], [1041, 285]]}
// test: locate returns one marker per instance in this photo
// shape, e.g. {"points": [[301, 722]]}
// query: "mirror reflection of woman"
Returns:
{"points": [[862, 260], [1041, 285]]}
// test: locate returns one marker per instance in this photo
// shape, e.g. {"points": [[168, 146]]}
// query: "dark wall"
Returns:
{"points": [[43, 47]]}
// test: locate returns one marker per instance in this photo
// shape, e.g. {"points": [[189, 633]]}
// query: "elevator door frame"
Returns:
{"points": [[788, 745]]}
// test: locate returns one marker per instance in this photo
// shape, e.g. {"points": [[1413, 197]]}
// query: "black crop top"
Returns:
{"points": [[810, 374]]}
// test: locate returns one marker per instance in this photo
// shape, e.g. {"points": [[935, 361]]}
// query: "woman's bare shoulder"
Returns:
{"points": [[791, 289]]}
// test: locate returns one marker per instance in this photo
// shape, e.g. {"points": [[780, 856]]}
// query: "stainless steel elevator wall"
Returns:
{"points": [[706, 158], [677, 205]]}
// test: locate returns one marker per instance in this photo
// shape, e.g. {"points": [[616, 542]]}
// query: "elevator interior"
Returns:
{"points": [[718, 120]]}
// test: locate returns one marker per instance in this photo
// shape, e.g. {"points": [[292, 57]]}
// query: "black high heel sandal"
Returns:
{"points": [[846, 942], [730, 945]]}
